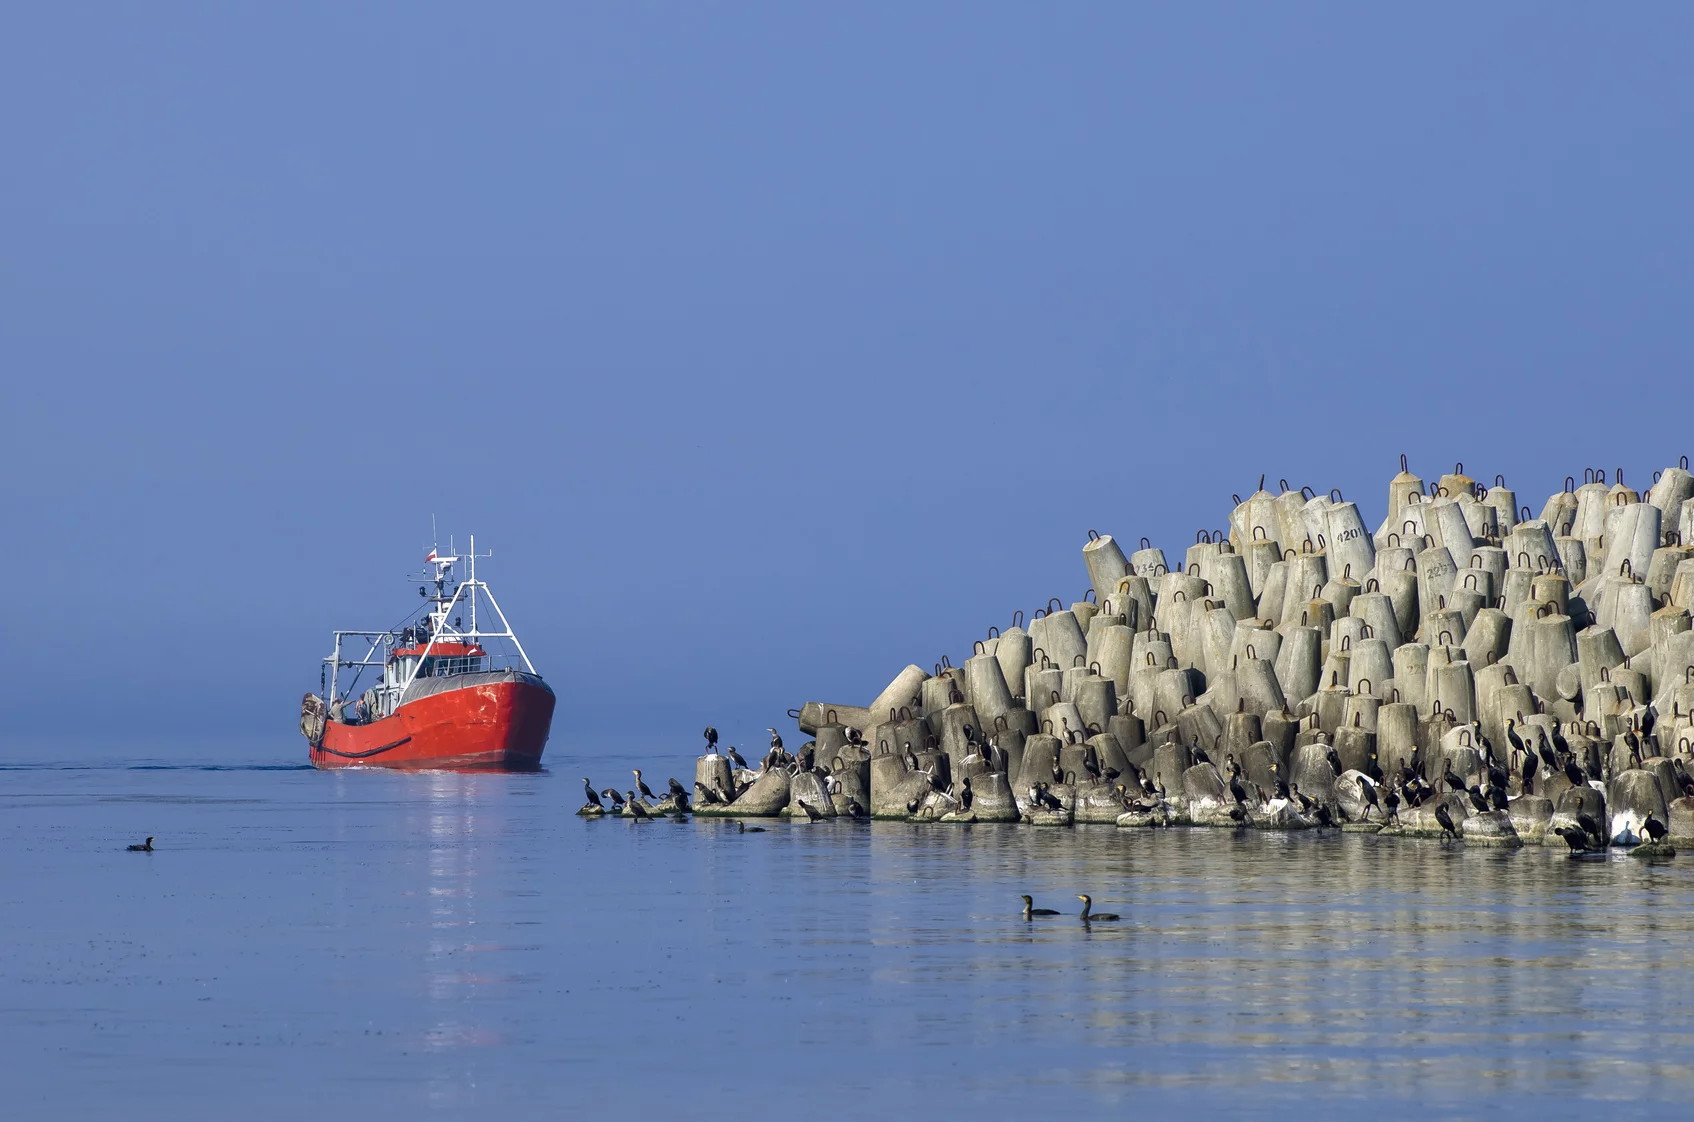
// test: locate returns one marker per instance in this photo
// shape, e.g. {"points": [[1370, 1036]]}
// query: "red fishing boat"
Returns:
{"points": [[449, 694]]}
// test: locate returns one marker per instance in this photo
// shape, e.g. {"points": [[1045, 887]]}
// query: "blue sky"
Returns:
{"points": [[772, 347]]}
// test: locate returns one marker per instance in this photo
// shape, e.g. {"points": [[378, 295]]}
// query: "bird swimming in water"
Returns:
{"points": [[1091, 916], [854, 809], [637, 809], [735, 758], [711, 741], [1029, 909], [646, 791], [746, 829], [593, 795], [144, 847], [1445, 818]]}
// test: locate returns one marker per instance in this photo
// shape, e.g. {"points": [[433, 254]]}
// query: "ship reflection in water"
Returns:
{"points": [[362, 943]]}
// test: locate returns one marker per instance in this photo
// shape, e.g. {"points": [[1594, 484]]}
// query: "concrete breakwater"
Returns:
{"points": [[1469, 669]]}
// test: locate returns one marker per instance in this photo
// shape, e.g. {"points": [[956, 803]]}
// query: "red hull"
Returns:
{"points": [[498, 725]]}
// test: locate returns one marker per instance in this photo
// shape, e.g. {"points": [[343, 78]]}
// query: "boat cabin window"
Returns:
{"points": [[440, 666]]}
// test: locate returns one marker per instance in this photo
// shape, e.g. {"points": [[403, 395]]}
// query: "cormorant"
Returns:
{"points": [[1497, 796], [676, 789], [1448, 776], [1238, 815], [1369, 791], [965, 793], [1091, 916], [640, 785], [1029, 909], [1237, 791], [746, 829], [616, 797], [911, 758], [1392, 800], [1529, 770], [144, 847], [1574, 837], [1513, 738], [776, 741], [1549, 750], [912, 807], [1560, 744], [1322, 814], [637, 809], [593, 795], [711, 741], [1302, 801], [854, 810], [1654, 829], [1445, 818], [1591, 828], [735, 758], [706, 795], [1046, 798], [811, 814], [1200, 756], [1477, 799], [1574, 773]]}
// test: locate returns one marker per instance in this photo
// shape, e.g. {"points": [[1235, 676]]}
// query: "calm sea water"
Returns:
{"points": [[355, 944]]}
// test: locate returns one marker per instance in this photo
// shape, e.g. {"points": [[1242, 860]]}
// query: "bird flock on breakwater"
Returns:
{"points": [[1470, 670]]}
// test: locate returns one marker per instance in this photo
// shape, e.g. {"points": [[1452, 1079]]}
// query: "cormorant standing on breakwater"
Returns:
{"points": [[144, 847], [1368, 789], [593, 795], [776, 740], [1091, 916], [676, 789], [617, 798], [711, 741], [735, 758], [811, 814], [1477, 799], [1448, 776], [1591, 828], [1574, 837], [1391, 798], [1029, 909], [1574, 773], [1046, 798], [1445, 818], [637, 809], [1654, 829], [965, 793], [1529, 770], [646, 791]]}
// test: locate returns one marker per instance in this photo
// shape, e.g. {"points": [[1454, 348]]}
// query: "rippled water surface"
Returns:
{"points": [[354, 944]]}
